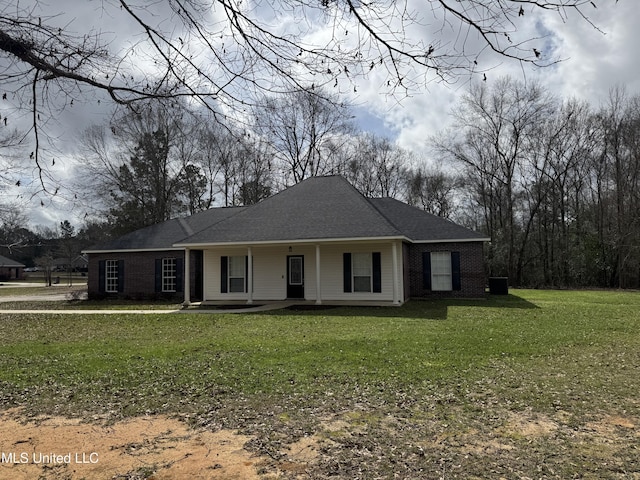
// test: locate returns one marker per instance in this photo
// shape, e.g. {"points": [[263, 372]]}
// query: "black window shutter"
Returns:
{"points": [[377, 272], [120, 276], [101, 276], [224, 262], [455, 271], [158, 275], [246, 274], [426, 270], [346, 270], [179, 274]]}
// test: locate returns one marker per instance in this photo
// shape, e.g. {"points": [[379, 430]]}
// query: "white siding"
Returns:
{"points": [[270, 271]]}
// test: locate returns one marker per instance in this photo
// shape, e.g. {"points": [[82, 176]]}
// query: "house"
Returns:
{"points": [[320, 240], [10, 269], [78, 264]]}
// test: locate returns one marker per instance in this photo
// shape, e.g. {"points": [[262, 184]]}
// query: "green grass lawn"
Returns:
{"points": [[429, 390]]}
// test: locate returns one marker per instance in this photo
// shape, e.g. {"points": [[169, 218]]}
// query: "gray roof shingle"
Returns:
{"points": [[421, 226], [7, 262], [164, 235], [317, 208]]}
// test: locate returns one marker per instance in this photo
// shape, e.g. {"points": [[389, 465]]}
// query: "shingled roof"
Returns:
{"points": [[163, 235], [317, 208], [329, 208], [420, 226], [8, 263]]}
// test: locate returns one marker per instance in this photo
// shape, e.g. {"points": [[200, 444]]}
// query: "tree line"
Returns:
{"points": [[554, 182]]}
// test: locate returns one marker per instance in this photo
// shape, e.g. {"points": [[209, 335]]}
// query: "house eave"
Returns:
{"points": [[454, 240], [310, 241], [135, 250]]}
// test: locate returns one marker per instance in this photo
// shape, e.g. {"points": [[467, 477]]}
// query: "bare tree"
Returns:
{"points": [[254, 175], [302, 129], [433, 190], [374, 165], [617, 186], [222, 53], [220, 151], [498, 125]]}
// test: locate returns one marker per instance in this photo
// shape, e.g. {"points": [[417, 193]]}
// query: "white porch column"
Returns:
{"points": [[187, 278], [318, 289], [250, 275], [394, 266]]}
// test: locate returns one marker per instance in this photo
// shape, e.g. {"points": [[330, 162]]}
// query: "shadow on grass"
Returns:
{"points": [[427, 309]]}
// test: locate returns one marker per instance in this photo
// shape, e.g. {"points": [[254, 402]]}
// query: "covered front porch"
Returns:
{"points": [[329, 272]]}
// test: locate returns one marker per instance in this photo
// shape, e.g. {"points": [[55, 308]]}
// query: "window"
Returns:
{"points": [[361, 269], [362, 272], [441, 271], [111, 276], [169, 269], [236, 272]]}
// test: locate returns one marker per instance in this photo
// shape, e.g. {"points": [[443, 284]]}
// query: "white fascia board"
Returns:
{"points": [[313, 241], [136, 250]]}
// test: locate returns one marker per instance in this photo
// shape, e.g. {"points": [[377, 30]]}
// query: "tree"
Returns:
{"points": [[144, 167], [68, 247], [433, 190], [46, 264], [147, 185], [224, 54], [302, 128], [617, 187], [254, 174], [374, 165], [498, 125]]}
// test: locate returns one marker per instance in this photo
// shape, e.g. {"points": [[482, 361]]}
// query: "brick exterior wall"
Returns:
{"points": [[140, 274], [472, 273], [11, 273]]}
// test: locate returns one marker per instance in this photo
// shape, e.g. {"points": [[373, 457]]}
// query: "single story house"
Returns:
{"points": [[78, 264], [10, 269], [320, 240]]}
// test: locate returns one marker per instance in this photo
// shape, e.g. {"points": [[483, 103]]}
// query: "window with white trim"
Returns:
{"points": [[169, 274], [111, 276], [361, 269], [236, 274], [441, 271]]}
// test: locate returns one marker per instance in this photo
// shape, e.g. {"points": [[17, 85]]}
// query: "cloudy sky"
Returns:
{"points": [[594, 61]]}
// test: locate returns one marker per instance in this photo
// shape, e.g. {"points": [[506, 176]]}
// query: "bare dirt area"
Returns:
{"points": [[149, 447], [162, 448]]}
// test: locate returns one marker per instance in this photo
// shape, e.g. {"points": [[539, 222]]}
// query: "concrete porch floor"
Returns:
{"points": [[241, 306]]}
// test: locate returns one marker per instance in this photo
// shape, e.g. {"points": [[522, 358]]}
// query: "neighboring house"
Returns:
{"points": [[10, 269], [320, 240], [79, 264]]}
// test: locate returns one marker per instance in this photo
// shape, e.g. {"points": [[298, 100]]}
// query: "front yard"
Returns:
{"points": [[539, 384]]}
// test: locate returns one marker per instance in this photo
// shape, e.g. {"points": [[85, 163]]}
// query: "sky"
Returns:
{"points": [[594, 60]]}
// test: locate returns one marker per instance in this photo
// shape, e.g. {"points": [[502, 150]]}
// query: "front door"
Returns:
{"points": [[295, 276]]}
